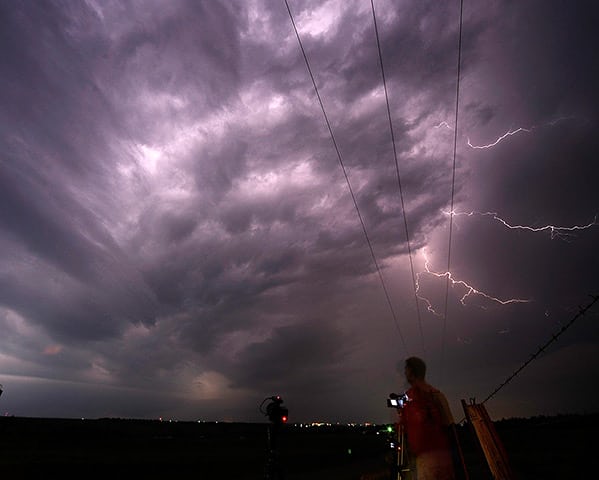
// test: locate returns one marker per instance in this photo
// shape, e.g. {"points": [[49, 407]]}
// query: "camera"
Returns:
{"points": [[275, 411], [397, 400]]}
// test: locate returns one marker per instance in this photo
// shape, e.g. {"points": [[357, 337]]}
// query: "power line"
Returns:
{"points": [[326, 118], [405, 220], [581, 312], [455, 143]]}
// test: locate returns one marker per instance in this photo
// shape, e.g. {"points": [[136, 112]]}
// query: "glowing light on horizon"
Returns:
{"points": [[470, 290], [555, 231]]}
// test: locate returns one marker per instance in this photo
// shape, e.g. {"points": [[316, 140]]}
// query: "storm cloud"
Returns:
{"points": [[177, 237]]}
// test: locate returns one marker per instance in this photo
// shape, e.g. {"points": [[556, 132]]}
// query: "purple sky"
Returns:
{"points": [[177, 238]]}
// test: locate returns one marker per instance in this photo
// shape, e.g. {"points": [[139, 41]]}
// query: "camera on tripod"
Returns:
{"points": [[275, 411], [278, 415], [397, 400]]}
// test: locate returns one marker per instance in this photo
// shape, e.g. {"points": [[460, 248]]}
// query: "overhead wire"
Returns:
{"points": [[455, 143], [581, 312], [339, 157], [401, 196]]}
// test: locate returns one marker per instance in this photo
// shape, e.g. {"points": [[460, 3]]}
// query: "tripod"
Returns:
{"points": [[278, 415], [400, 469], [273, 470]]}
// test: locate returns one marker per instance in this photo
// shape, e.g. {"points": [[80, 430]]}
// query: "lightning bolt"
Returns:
{"points": [[555, 231], [510, 133], [470, 290], [443, 124]]}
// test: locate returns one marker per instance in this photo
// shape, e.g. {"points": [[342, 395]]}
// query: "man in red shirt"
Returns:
{"points": [[426, 419]]}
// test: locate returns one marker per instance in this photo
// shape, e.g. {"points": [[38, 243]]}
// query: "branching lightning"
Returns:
{"points": [[555, 231], [511, 132], [470, 290]]}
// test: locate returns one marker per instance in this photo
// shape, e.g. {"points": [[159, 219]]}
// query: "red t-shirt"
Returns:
{"points": [[423, 420]]}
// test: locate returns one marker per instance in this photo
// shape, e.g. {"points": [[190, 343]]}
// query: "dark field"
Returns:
{"points": [[542, 447]]}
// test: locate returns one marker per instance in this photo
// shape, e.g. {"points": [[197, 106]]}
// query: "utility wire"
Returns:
{"points": [[455, 143], [403, 208], [326, 118], [581, 312]]}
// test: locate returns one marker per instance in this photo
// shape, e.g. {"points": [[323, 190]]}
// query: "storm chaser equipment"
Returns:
{"points": [[275, 411], [397, 400], [278, 415], [400, 468]]}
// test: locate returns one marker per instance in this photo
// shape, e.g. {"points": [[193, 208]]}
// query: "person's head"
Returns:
{"points": [[415, 369]]}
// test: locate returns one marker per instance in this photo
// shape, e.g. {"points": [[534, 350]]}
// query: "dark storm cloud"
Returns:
{"points": [[176, 227], [53, 116], [187, 50], [55, 166], [537, 179], [541, 178], [295, 359], [218, 164]]}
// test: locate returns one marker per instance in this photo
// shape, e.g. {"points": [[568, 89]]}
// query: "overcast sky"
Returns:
{"points": [[177, 238]]}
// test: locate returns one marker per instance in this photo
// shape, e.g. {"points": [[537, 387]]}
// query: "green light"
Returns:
{"points": [[389, 428]]}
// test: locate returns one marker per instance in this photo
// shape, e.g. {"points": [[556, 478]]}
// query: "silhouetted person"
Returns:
{"points": [[427, 420]]}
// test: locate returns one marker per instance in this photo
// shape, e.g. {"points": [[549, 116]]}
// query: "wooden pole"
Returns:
{"points": [[489, 441]]}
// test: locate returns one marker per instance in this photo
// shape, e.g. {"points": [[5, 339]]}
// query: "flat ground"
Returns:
{"points": [[543, 447]]}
